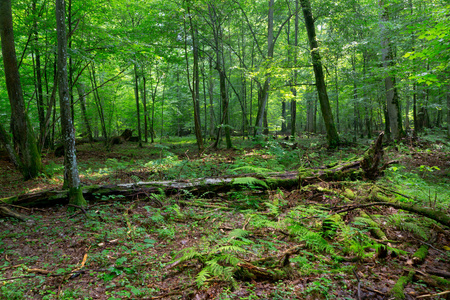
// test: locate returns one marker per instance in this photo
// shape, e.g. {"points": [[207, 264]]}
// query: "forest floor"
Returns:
{"points": [[190, 247]]}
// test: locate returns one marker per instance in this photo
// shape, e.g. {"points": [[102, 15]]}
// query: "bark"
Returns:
{"points": [[263, 93], [392, 100], [136, 95], [220, 67], [294, 90], [7, 144], [21, 127], [71, 177], [87, 126], [332, 134], [194, 88], [448, 112], [144, 103], [38, 84], [99, 104]]}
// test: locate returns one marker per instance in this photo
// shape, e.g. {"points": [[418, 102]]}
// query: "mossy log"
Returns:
{"points": [[397, 292], [436, 215], [420, 255], [366, 167], [199, 187], [6, 212]]}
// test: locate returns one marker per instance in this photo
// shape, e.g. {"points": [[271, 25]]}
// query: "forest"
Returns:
{"points": [[212, 149]]}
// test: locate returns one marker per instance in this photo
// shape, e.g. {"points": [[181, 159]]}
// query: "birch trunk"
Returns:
{"points": [[71, 177]]}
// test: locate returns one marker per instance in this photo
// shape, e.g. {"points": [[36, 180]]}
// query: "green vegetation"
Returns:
{"points": [[223, 149], [250, 242]]}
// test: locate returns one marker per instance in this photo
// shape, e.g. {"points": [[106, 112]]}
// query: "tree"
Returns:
{"points": [[392, 100], [71, 177], [20, 124], [332, 134]]}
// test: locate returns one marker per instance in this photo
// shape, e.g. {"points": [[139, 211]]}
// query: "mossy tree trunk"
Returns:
{"points": [[332, 134], [71, 177], [20, 124]]}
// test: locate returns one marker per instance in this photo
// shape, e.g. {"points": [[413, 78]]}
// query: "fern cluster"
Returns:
{"points": [[219, 261], [405, 222]]}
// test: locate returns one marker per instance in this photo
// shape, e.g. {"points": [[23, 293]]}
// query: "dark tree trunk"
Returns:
{"points": [[5, 140], [136, 95], [144, 103], [195, 87], [392, 100], [294, 90], [332, 134], [99, 105], [82, 96], [71, 177], [38, 84], [21, 127]]}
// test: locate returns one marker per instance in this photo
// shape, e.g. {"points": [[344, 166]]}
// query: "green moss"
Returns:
{"points": [[397, 291], [304, 173], [76, 197], [421, 253], [348, 193], [441, 281]]}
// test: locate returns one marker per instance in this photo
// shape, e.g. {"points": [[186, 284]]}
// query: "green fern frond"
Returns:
{"points": [[238, 233], [273, 207], [316, 242], [366, 221], [298, 230], [202, 277], [250, 182], [231, 249], [261, 221], [188, 254], [405, 222]]}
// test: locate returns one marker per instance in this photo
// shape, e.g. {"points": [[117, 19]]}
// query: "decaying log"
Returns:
{"points": [[365, 167], [6, 212]]}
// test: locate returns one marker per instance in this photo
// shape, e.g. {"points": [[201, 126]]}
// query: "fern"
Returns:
{"points": [[405, 222], [238, 233], [219, 261], [313, 240], [366, 221], [251, 182]]}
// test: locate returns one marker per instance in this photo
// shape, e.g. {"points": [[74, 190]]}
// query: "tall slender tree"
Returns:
{"points": [[392, 99], [71, 177], [22, 130], [332, 134]]}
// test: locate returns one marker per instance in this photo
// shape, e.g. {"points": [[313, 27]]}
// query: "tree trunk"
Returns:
{"points": [[21, 127], [99, 104], [332, 134], [392, 101], [211, 100], [136, 95], [71, 177], [448, 111], [195, 87], [294, 90], [144, 102], [220, 67], [7, 144], [87, 126], [263, 93], [38, 84]]}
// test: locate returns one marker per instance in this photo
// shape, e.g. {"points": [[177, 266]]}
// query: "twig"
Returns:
{"points": [[359, 285], [433, 295], [429, 245]]}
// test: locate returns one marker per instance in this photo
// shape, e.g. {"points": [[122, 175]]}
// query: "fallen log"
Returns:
{"points": [[366, 167]]}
